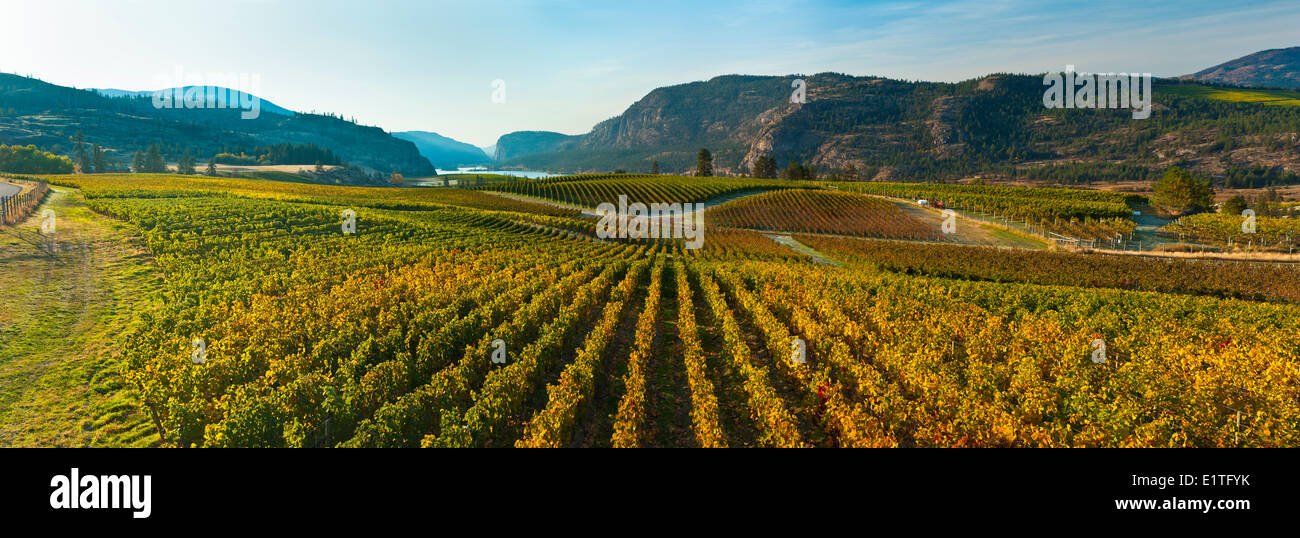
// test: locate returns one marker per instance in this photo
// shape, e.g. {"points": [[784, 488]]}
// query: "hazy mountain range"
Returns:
{"points": [[444, 152], [870, 127]]}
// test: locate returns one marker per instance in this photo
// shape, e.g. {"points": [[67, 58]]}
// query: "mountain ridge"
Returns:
{"points": [[263, 104], [869, 127], [1272, 68], [442, 151], [47, 115]]}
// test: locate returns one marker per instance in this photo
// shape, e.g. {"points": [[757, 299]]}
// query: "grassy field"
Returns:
{"points": [[59, 351], [1256, 96]]}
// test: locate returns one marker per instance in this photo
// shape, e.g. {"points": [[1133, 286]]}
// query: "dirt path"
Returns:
{"points": [[817, 257], [62, 314], [970, 231], [667, 392], [1147, 226]]}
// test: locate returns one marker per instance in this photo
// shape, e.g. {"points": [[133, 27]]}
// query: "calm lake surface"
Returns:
{"points": [[517, 173]]}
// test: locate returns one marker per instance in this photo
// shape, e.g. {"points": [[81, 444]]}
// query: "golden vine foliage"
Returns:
{"points": [[387, 336]]}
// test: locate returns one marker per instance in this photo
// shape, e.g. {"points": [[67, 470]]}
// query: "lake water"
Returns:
{"points": [[517, 173]]}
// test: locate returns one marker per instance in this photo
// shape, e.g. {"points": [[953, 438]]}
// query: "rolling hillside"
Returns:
{"points": [[47, 115], [1274, 68]]}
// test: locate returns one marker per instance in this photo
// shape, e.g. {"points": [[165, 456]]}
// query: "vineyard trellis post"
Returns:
{"points": [[14, 208]]}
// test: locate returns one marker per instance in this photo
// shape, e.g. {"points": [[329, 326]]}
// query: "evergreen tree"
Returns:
{"points": [[797, 171], [80, 156], [137, 162], [99, 160], [1268, 203], [186, 164], [765, 167], [1233, 206], [654, 168], [212, 168], [704, 163], [153, 161]]}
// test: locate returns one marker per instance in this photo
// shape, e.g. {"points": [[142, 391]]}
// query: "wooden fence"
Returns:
{"points": [[16, 207]]}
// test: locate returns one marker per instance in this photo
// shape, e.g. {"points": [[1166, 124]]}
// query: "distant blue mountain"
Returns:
{"points": [[444, 152]]}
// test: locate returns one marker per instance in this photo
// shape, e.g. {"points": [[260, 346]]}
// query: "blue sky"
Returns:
{"points": [[568, 64]]}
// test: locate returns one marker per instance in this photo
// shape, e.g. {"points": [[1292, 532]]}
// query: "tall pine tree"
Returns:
{"points": [[765, 167], [704, 163], [153, 161], [99, 160], [80, 156], [137, 162], [186, 164]]}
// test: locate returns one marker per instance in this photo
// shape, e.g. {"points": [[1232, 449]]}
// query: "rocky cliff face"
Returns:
{"points": [[740, 118], [899, 129], [524, 143], [724, 108]]}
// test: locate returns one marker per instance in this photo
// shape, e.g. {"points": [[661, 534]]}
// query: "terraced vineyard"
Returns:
{"points": [[1021, 202], [1242, 280], [169, 186], [1269, 233], [439, 323], [1091, 229], [593, 190], [828, 212]]}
